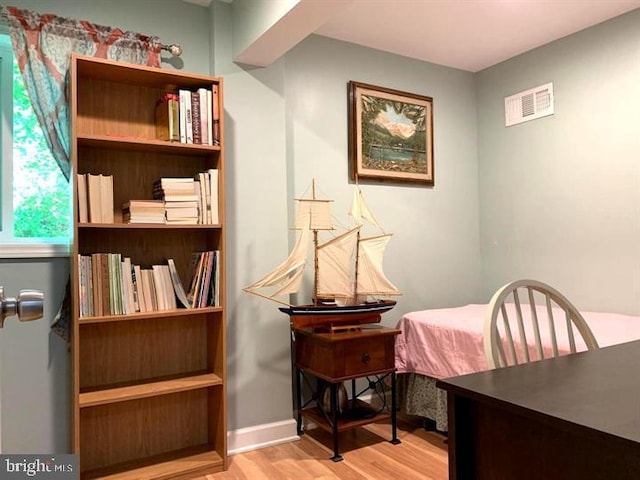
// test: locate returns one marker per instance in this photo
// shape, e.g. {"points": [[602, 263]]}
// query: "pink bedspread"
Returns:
{"points": [[448, 342]]}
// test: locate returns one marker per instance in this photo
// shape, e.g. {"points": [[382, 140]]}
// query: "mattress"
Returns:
{"points": [[441, 343]]}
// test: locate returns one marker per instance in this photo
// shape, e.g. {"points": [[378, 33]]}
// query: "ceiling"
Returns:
{"points": [[466, 34]]}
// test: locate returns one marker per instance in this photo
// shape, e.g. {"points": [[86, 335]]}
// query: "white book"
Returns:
{"points": [[207, 197], [182, 100], [94, 195], [168, 287], [160, 289], [210, 112], [106, 198], [204, 116], [188, 116], [215, 208]]}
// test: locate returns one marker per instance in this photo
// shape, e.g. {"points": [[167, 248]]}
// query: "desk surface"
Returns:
{"points": [[599, 389]]}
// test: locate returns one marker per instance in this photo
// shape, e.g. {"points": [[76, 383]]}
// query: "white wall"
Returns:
{"points": [[560, 196]]}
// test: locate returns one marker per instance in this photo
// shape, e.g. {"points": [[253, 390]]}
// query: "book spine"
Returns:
{"points": [[204, 115], [196, 120], [215, 101], [210, 117], [182, 108], [167, 117], [83, 211]]}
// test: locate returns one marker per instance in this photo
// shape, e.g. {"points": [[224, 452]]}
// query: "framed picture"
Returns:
{"points": [[390, 135]]}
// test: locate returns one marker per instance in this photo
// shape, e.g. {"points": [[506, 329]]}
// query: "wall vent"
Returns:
{"points": [[529, 105]]}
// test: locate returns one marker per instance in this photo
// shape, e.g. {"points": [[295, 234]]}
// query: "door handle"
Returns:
{"points": [[27, 306]]}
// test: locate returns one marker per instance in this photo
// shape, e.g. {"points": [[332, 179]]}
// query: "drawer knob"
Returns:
{"points": [[365, 358]]}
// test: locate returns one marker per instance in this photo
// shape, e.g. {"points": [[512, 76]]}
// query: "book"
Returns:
{"points": [[215, 100], [213, 187], [143, 205], [210, 119], [185, 110], [196, 277], [143, 211], [139, 288], [149, 290], [106, 198], [196, 119], [83, 212], [167, 116], [204, 115], [96, 279], [94, 194], [177, 284], [160, 289], [168, 287], [182, 109], [127, 287], [175, 213]]}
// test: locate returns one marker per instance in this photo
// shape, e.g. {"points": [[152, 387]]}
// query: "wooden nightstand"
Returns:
{"points": [[334, 357]]}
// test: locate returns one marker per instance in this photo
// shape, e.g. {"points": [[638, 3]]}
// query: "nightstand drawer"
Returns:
{"points": [[338, 356], [367, 355]]}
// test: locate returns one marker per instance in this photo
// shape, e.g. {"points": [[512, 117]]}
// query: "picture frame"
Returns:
{"points": [[390, 135]]}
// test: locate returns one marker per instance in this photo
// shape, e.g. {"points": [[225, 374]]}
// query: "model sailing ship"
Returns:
{"points": [[348, 276]]}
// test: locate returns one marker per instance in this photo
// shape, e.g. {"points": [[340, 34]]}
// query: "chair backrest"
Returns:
{"points": [[532, 314]]}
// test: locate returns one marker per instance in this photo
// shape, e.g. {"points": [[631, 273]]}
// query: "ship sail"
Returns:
{"points": [[371, 278], [286, 278], [335, 265]]}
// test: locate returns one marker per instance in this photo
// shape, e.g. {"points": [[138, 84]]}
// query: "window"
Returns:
{"points": [[36, 215]]}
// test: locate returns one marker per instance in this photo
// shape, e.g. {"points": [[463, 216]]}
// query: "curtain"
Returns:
{"points": [[42, 44]]}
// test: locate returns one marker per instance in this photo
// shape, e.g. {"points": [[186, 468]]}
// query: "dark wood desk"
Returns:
{"points": [[573, 417]]}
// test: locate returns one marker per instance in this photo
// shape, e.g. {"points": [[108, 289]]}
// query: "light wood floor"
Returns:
{"points": [[366, 451]]}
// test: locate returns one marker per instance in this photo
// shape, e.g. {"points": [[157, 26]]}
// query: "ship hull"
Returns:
{"points": [[370, 308]]}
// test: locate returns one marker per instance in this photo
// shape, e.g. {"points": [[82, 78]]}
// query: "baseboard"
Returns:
{"points": [[269, 434], [260, 436]]}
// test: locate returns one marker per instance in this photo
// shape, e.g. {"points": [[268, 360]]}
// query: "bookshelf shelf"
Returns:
{"points": [[173, 465], [147, 226], [149, 315], [132, 392], [149, 386], [145, 144]]}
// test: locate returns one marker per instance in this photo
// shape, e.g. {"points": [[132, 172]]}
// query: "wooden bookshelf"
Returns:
{"points": [[149, 388]]}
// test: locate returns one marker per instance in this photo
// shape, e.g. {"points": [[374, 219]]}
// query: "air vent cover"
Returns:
{"points": [[529, 105]]}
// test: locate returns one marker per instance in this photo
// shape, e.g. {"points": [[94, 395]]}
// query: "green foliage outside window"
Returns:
{"points": [[41, 194]]}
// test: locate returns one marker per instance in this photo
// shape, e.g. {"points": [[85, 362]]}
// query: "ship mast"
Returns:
{"points": [[316, 278]]}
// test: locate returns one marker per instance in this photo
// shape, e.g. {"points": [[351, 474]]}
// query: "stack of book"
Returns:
{"points": [[95, 198], [143, 211], [181, 197]]}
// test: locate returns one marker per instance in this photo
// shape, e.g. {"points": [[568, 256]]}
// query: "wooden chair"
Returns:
{"points": [[520, 307]]}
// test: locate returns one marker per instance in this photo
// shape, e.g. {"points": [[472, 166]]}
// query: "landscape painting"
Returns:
{"points": [[390, 135]]}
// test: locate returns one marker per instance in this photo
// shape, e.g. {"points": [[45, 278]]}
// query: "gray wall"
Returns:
{"points": [[286, 124], [560, 196]]}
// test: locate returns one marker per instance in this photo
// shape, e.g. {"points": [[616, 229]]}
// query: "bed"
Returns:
{"points": [[447, 342]]}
